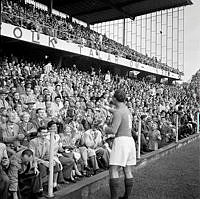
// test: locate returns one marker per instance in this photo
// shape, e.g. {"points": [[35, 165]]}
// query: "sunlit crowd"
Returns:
{"points": [[37, 99]]}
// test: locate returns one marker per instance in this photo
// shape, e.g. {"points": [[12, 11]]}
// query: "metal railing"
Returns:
{"points": [[138, 145]]}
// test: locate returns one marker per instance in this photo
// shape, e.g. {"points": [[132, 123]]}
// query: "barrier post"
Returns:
{"points": [[139, 138], [51, 153], [198, 122], [1, 9], [177, 128]]}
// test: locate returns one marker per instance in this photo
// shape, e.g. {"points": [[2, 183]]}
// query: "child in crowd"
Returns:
{"points": [[154, 137]]}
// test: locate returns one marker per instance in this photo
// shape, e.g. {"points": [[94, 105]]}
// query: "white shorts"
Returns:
{"points": [[123, 151]]}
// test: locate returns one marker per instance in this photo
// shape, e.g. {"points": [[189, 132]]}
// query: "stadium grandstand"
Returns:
{"points": [[59, 71]]}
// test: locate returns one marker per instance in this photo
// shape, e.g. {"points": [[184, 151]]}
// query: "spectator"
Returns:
{"points": [[153, 137], [40, 147], [4, 180], [23, 175], [40, 119], [27, 128], [3, 101], [11, 134]]}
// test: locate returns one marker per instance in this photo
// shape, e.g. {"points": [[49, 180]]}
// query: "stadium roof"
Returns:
{"points": [[96, 11]]}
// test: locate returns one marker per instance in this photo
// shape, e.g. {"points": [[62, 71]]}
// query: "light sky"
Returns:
{"points": [[192, 39]]}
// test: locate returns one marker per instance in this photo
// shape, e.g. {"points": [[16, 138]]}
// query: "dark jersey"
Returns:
{"points": [[122, 122]]}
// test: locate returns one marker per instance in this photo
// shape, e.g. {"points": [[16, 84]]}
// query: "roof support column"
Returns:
{"points": [[50, 7], [158, 79], [124, 35], [70, 18]]}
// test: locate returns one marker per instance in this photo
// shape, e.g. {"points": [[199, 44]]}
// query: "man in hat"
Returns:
{"points": [[31, 108]]}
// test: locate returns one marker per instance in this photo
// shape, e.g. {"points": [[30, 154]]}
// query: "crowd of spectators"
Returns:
{"points": [[37, 98], [195, 81], [30, 17]]}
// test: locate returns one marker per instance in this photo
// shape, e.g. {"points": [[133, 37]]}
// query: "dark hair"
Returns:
{"points": [[2, 109], [163, 111], [88, 108], [27, 152], [45, 97], [41, 128], [15, 106], [50, 124], [40, 96], [15, 92], [45, 89], [120, 95], [58, 96], [37, 110], [65, 100]]}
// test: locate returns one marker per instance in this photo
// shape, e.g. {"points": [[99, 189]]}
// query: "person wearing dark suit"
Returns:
{"points": [[40, 119]]}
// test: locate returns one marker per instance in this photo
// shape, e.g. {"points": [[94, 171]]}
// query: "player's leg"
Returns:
{"points": [[114, 171], [128, 181], [131, 161], [128, 171], [114, 181]]}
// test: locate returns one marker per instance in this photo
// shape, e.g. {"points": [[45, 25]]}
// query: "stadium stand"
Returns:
{"points": [[27, 16], [37, 97]]}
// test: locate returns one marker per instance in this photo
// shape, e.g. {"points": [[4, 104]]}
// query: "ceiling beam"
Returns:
{"points": [[117, 7], [126, 3], [91, 11], [110, 5], [65, 3]]}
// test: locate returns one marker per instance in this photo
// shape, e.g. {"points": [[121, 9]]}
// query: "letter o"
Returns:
{"points": [[17, 32]]}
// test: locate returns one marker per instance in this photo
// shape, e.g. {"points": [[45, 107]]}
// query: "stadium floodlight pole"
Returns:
{"points": [[51, 152], [198, 118], [139, 138], [177, 128]]}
